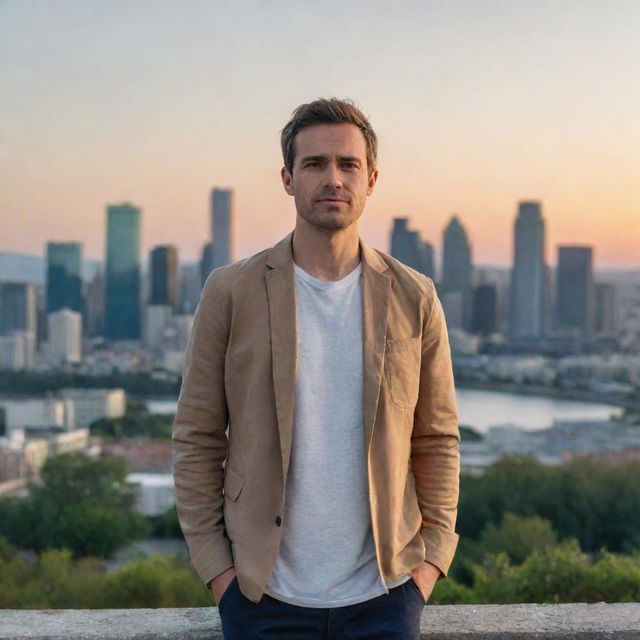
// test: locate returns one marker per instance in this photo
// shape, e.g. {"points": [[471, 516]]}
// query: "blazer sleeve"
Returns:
{"points": [[435, 440], [200, 441]]}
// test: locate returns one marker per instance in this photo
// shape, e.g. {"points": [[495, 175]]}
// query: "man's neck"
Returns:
{"points": [[326, 254]]}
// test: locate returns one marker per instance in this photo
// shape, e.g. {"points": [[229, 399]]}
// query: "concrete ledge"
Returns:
{"points": [[477, 622]]}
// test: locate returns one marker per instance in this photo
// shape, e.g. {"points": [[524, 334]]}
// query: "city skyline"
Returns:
{"points": [[477, 106], [435, 247]]}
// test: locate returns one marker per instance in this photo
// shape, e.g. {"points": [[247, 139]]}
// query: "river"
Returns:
{"points": [[481, 409]]}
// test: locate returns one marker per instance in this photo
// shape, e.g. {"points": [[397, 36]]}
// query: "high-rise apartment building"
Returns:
{"points": [[94, 307], [606, 309], [457, 269], [18, 310], [163, 269], [485, 306], [65, 336], [527, 315], [18, 351], [18, 325], [64, 276], [189, 289], [206, 262], [122, 300], [574, 287], [408, 247], [222, 226]]}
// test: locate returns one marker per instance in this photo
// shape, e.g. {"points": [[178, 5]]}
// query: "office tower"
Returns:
{"points": [[122, 301], [64, 276], [574, 287], [65, 336], [484, 309], [606, 309], [157, 318], [528, 275], [428, 260], [457, 268], [163, 267], [453, 307], [222, 226], [206, 262], [189, 290], [499, 278], [18, 311], [94, 316], [408, 247]]}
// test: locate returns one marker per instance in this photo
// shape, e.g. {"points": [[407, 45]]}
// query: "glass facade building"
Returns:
{"points": [[122, 299], [527, 316], [163, 267], [64, 276], [222, 226]]}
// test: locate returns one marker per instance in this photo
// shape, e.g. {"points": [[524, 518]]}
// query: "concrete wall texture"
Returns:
{"points": [[439, 622]]}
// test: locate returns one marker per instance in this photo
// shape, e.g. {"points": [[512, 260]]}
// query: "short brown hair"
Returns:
{"points": [[327, 111]]}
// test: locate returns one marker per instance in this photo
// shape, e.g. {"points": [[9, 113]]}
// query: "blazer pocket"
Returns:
{"points": [[402, 368], [233, 483]]}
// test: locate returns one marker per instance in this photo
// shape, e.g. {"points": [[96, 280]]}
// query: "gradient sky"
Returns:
{"points": [[478, 104]]}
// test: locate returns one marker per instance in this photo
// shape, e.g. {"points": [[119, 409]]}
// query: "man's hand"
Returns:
{"points": [[221, 582], [425, 577]]}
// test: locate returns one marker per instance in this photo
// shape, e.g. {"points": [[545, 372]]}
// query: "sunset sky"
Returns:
{"points": [[477, 104]]}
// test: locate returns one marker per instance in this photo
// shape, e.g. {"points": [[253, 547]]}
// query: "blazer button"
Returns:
{"points": [[278, 521]]}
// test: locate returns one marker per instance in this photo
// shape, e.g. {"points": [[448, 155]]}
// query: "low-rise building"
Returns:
{"points": [[93, 404]]}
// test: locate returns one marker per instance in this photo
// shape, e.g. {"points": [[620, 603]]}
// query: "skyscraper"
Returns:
{"points": [[189, 289], [64, 276], [484, 309], [163, 269], [457, 268], [222, 226], [408, 247], [65, 336], [18, 308], [606, 309], [122, 300], [94, 317], [206, 262], [574, 286], [528, 275]]}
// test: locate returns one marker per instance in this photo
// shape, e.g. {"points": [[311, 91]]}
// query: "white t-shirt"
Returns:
{"points": [[327, 556]]}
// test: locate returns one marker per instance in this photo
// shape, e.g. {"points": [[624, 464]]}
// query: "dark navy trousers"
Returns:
{"points": [[392, 616]]}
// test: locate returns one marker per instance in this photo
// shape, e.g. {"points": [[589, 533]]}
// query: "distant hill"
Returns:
{"points": [[22, 267]]}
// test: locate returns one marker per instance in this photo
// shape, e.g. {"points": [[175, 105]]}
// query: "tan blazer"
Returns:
{"points": [[239, 373]]}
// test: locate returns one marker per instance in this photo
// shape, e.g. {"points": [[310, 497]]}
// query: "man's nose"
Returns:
{"points": [[332, 177]]}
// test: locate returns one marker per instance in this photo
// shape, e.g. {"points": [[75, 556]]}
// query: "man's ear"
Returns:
{"points": [[372, 181], [287, 180]]}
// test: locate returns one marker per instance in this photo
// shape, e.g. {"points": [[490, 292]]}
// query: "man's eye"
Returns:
{"points": [[349, 165], [312, 163]]}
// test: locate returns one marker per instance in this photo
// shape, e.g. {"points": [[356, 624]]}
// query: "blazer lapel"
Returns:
{"points": [[376, 288], [284, 341]]}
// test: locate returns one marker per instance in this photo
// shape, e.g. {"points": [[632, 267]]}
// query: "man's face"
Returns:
{"points": [[330, 182]]}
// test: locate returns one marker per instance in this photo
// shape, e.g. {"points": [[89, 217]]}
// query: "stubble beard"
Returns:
{"points": [[332, 219]]}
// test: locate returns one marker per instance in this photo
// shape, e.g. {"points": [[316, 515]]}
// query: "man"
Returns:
{"points": [[316, 437]]}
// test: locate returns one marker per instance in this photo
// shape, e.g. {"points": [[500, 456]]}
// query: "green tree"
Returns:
{"points": [[160, 581], [600, 504], [166, 525], [517, 536], [82, 504], [594, 501]]}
